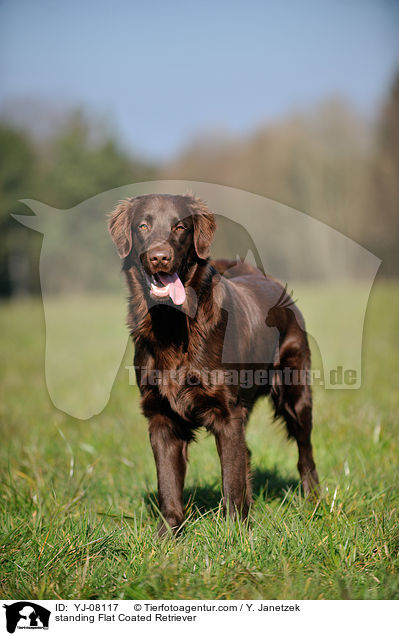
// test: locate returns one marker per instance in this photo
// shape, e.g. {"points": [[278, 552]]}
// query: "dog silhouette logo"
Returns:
{"points": [[26, 615], [84, 296]]}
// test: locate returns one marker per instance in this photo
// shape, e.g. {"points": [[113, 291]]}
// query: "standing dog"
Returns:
{"points": [[197, 328]]}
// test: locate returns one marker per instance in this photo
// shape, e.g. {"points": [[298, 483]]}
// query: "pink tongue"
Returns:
{"points": [[176, 289]]}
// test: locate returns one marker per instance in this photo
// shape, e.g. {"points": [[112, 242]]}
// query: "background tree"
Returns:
{"points": [[17, 179], [77, 161], [385, 183]]}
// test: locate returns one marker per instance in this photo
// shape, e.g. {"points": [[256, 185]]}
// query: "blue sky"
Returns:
{"points": [[167, 71]]}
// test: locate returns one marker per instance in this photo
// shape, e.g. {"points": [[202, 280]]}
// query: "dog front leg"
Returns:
{"points": [[170, 453], [234, 460]]}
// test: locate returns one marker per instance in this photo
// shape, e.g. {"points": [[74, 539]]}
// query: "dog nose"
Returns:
{"points": [[160, 256]]}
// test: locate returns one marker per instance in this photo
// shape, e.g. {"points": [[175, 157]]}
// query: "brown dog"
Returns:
{"points": [[209, 340]]}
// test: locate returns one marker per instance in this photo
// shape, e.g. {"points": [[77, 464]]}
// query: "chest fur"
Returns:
{"points": [[191, 390]]}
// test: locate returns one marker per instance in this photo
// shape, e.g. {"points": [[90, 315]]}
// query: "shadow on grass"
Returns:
{"points": [[266, 485]]}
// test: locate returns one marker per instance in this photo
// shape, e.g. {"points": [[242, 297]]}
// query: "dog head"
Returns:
{"points": [[163, 236]]}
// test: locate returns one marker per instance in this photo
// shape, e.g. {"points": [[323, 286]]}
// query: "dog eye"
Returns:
{"points": [[143, 226], [179, 228]]}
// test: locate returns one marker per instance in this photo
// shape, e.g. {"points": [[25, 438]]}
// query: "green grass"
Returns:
{"points": [[78, 500]]}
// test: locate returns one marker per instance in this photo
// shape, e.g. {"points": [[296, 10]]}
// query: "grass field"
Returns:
{"points": [[78, 500]]}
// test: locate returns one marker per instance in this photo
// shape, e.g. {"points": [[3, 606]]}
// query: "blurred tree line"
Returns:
{"points": [[71, 165], [328, 162]]}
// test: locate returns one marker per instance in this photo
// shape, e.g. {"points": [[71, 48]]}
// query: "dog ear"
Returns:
{"points": [[120, 226], [204, 227]]}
